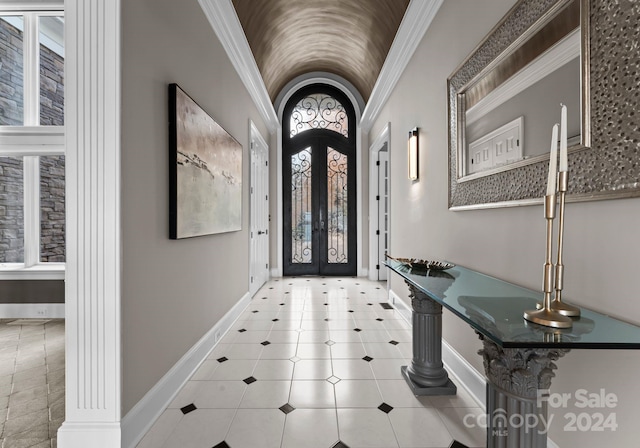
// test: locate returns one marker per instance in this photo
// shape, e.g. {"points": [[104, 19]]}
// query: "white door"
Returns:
{"points": [[259, 226], [383, 210]]}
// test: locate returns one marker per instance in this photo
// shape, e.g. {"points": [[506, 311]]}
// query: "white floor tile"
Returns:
{"points": [[382, 350], [234, 369], [388, 369], [314, 337], [273, 369], [283, 337], [454, 419], [312, 369], [312, 394], [352, 369], [237, 351], [210, 394], [293, 369], [357, 394], [313, 351], [348, 350], [398, 394], [202, 427], [266, 394], [366, 428], [310, 428], [279, 351], [161, 429], [419, 428], [206, 370], [253, 428]]}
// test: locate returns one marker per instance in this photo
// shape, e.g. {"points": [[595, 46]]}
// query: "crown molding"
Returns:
{"points": [[224, 21], [416, 21]]}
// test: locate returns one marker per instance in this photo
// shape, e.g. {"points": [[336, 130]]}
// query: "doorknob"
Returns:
{"points": [[260, 232]]}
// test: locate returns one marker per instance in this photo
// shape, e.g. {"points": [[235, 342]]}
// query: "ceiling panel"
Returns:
{"points": [[349, 38]]}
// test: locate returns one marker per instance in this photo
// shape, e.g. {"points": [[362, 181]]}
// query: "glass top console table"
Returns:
{"points": [[518, 355]]}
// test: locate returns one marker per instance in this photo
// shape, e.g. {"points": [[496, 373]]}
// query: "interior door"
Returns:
{"points": [[383, 210], [259, 226], [319, 208]]}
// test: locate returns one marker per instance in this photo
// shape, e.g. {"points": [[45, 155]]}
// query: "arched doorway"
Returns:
{"points": [[319, 183]]}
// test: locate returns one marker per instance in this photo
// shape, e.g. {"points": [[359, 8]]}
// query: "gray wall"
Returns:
{"points": [[601, 238], [173, 291]]}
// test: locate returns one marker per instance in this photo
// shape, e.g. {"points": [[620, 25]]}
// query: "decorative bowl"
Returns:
{"points": [[423, 264]]}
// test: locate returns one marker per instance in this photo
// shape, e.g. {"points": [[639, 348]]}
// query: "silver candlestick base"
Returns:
{"points": [[546, 316]]}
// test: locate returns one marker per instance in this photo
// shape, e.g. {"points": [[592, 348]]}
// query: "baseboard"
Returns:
{"points": [[275, 273], [457, 366], [31, 310], [143, 415], [83, 435], [464, 373], [400, 306]]}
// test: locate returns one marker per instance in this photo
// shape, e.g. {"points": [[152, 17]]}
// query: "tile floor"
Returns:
{"points": [[31, 382], [312, 362]]}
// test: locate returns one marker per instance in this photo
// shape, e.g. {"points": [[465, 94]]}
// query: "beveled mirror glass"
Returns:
{"points": [[505, 97]]}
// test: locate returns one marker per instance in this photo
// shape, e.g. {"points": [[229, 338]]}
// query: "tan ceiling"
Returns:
{"points": [[349, 38]]}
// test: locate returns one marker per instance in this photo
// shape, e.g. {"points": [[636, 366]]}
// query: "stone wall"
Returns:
{"points": [[11, 76], [52, 222], [11, 211]]}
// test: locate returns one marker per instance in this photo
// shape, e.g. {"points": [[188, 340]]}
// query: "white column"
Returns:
{"points": [[92, 117]]}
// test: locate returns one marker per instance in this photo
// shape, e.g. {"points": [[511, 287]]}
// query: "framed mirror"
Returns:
{"points": [[505, 97]]}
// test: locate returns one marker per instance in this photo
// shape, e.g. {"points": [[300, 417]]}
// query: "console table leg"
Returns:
{"points": [[426, 375], [515, 418]]}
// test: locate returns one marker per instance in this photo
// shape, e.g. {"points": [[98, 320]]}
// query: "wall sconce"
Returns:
{"points": [[413, 149]]}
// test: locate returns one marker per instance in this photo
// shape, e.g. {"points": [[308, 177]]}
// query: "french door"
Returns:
{"points": [[319, 206]]}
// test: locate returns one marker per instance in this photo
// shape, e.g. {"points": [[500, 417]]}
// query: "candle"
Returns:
{"points": [[563, 139], [552, 181]]}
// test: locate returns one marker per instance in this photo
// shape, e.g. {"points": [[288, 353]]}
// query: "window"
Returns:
{"points": [[32, 162]]}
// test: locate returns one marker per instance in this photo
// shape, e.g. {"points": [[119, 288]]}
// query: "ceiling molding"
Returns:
{"points": [[224, 21], [415, 23]]}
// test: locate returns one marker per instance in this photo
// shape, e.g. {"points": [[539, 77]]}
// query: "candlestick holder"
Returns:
{"points": [[546, 316], [557, 304]]}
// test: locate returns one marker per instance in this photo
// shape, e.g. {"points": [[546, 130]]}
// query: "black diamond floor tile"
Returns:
{"points": [[386, 306], [368, 358], [250, 380], [379, 320], [275, 320], [222, 444], [357, 330], [188, 408], [286, 408], [384, 407], [393, 342], [340, 445], [265, 343], [242, 330], [456, 444], [223, 359]]}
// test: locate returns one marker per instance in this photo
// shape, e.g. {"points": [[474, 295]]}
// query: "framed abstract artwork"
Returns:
{"points": [[205, 171]]}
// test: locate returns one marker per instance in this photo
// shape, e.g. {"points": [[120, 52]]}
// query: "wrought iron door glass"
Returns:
{"points": [[337, 207], [319, 111], [301, 208]]}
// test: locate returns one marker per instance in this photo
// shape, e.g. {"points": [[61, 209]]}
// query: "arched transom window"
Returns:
{"points": [[319, 111]]}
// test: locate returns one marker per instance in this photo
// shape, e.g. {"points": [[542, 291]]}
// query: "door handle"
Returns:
{"points": [[322, 225], [260, 232]]}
